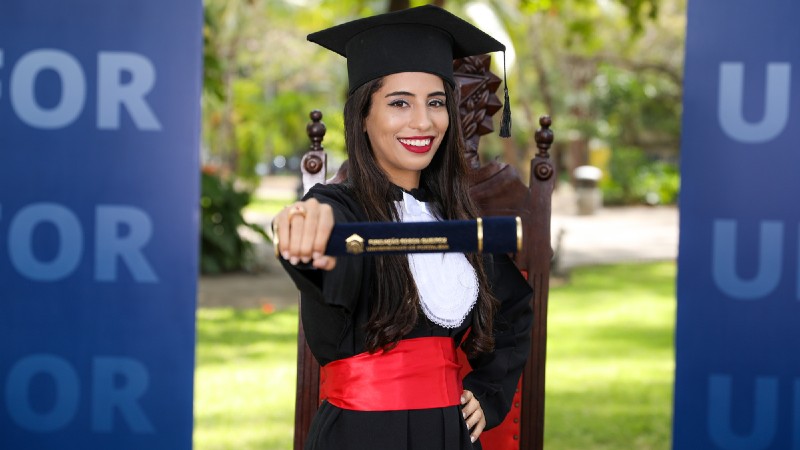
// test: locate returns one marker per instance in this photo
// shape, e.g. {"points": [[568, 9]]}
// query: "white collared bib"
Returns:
{"points": [[447, 284]]}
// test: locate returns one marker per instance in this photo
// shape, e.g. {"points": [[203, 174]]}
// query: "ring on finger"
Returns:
{"points": [[297, 210]]}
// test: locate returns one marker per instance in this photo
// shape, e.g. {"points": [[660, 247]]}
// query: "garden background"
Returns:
{"points": [[610, 74]]}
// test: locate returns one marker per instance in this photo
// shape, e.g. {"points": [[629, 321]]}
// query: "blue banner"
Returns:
{"points": [[99, 188], [737, 383]]}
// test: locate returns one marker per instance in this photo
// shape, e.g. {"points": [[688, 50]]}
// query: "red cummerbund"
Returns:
{"points": [[419, 373]]}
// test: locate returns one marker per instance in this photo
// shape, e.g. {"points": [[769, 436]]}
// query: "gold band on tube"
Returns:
{"points": [[519, 234], [480, 234]]}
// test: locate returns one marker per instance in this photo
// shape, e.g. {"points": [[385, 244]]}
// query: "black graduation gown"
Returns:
{"points": [[334, 308]]}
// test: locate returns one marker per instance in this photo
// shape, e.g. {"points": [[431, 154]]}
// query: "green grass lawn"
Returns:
{"points": [[267, 206], [610, 359], [245, 379], [609, 367]]}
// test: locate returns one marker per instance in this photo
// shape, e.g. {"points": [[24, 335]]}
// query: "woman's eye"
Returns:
{"points": [[436, 103], [399, 103]]}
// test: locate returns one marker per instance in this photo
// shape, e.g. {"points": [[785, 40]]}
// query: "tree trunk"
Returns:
{"points": [[397, 5]]}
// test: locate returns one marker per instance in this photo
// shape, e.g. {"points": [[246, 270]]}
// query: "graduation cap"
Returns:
{"points": [[422, 39]]}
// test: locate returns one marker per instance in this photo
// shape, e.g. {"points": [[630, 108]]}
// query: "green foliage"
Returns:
{"points": [[634, 178], [617, 185], [222, 248], [641, 108], [212, 64], [251, 113], [658, 183], [269, 78], [637, 11], [639, 8], [638, 106], [263, 77]]}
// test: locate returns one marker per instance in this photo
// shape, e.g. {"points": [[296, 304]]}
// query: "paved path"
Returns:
{"points": [[613, 235], [610, 235]]}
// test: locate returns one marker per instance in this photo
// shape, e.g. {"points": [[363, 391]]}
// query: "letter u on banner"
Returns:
{"points": [[731, 103]]}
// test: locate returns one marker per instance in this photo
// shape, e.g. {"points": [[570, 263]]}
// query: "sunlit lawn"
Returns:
{"points": [[609, 367], [245, 379], [267, 206], [610, 359]]}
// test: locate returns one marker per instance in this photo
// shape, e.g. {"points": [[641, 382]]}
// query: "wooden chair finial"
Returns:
{"points": [[543, 170], [314, 161], [544, 136], [316, 130]]}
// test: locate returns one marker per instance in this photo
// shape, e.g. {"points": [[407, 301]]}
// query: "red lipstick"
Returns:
{"points": [[417, 144]]}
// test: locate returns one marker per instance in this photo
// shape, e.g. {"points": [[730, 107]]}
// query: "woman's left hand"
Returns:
{"points": [[473, 414]]}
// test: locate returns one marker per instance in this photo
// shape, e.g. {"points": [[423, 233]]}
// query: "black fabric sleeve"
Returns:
{"points": [[340, 286], [494, 376]]}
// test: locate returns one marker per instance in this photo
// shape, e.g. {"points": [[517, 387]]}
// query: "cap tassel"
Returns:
{"points": [[505, 122]]}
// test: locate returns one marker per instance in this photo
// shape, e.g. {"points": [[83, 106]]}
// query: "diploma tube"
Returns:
{"points": [[481, 235]]}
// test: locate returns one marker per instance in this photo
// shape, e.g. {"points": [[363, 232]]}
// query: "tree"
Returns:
{"points": [[567, 50], [267, 78], [608, 69]]}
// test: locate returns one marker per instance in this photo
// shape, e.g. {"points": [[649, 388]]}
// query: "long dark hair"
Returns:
{"points": [[395, 305]]}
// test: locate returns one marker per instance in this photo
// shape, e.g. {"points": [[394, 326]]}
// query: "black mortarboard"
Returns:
{"points": [[422, 39]]}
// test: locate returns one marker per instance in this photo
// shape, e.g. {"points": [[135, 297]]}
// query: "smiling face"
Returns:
{"points": [[406, 124]]}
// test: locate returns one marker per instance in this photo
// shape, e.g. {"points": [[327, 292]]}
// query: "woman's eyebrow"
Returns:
{"points": [[409, 94], [400, 94]]}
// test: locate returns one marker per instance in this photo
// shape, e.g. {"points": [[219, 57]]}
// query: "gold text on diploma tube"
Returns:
{"points": [[407, 244]]}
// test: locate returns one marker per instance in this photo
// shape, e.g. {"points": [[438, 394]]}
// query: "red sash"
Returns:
{"points": [[419, 373]]}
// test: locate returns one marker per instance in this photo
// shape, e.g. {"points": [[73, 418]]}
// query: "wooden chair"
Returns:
{"points": [[498, 190]]}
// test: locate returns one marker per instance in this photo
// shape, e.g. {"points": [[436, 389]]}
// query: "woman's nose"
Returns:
{"points": [[420, 119]]}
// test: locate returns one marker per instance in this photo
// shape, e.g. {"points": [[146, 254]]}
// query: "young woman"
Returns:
{"points": [[385, 328]]}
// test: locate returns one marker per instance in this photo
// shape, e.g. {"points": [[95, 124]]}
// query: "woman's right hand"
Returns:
{"points": [[303, 230]]}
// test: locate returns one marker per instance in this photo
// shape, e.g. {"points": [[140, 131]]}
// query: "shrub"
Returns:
{"points": [[657, 183], [222, 248], [634, 178]]}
